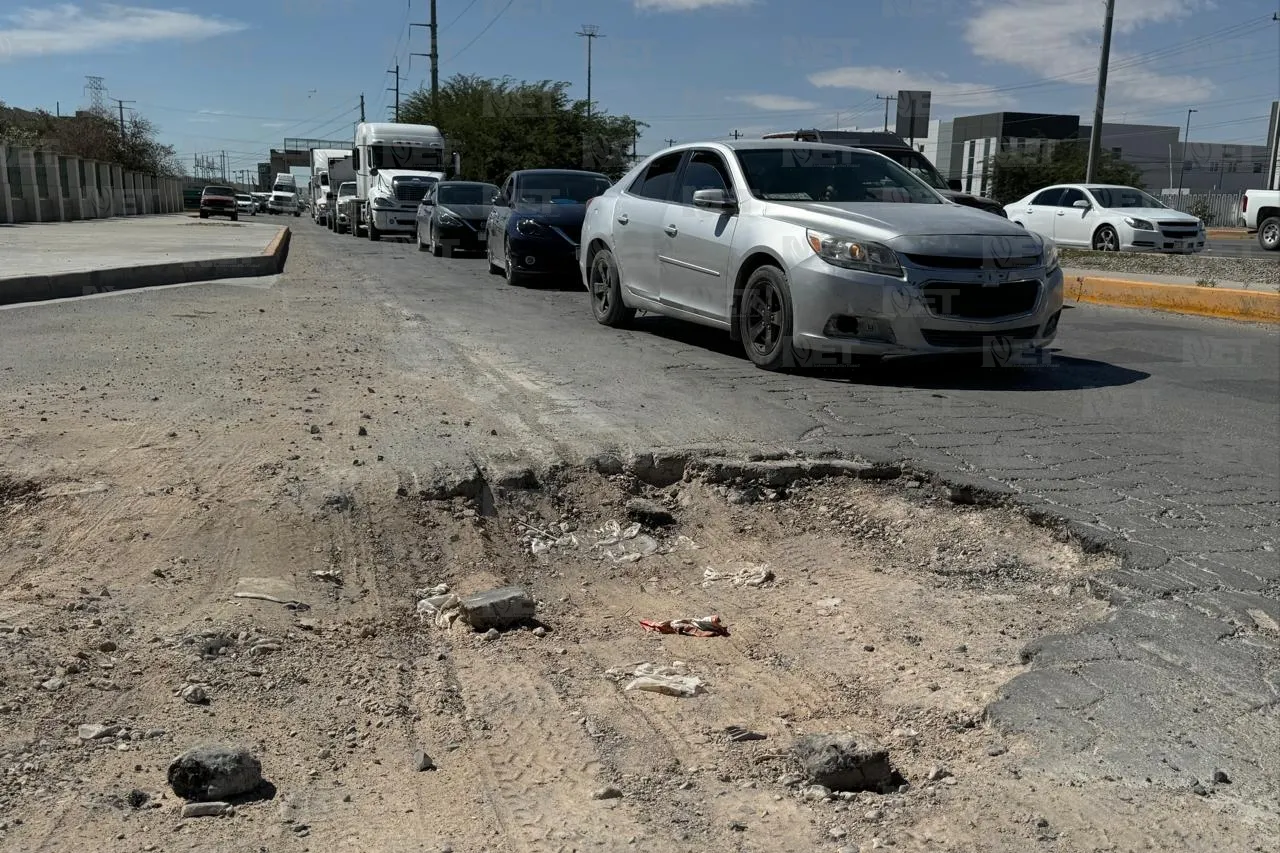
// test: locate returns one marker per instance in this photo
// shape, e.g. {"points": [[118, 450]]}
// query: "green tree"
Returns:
{"points": [[501, 125], [93, 137], [1016, 174]]}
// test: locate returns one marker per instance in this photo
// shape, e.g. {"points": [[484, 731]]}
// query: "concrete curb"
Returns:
{"points": [[1251, 305], [1227, 234], [37, 288]]}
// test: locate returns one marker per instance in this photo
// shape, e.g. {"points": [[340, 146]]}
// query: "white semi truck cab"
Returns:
{"points": [[284, 195], [395, 165]]}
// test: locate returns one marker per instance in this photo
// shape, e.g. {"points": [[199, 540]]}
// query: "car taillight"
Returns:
{"points": [[1244, 204]]}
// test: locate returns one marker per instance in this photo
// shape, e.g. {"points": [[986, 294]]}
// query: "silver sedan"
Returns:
{"points": [[803, 251]]}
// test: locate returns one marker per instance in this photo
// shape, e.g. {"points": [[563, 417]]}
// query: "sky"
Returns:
{"points": [[240, 75]]}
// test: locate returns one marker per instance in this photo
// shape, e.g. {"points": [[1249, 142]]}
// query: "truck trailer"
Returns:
{"points": [[321, 181]]}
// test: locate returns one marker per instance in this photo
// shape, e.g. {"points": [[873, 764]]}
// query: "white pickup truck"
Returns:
{"points": [[1260, 211]]}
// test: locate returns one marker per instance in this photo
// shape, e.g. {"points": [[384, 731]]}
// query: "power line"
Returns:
{"points": [[460, 14], [501, 12]]}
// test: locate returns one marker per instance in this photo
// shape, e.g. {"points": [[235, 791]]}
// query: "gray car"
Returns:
{"points": [[452, 216], [803, 249]]}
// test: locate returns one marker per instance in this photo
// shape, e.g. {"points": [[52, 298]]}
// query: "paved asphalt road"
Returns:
{"points": [[1239, 248], [1155, 433]]}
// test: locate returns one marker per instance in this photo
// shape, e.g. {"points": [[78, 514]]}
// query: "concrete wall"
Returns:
{"points": [[43, 186]]}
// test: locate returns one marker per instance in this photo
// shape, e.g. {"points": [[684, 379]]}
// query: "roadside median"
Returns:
{"points": [[105, 268], [1226, 303]]}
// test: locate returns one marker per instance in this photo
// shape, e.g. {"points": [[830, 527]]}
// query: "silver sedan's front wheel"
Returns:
{"points": [[605, 286]]}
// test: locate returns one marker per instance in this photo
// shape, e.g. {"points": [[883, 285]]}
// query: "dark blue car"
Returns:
{"points": [[536, 222]]}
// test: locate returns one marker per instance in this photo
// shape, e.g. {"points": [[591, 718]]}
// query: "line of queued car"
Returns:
{"points": [[806, 253]]}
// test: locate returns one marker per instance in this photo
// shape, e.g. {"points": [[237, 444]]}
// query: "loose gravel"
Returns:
{"points": [[1253, 272]]}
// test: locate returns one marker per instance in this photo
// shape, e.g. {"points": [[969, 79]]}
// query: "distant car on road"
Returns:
{"points": [[219, 201], [246, 204], [454, 215], [801, 248], [536, 222], [1260, 210], [261, 200], [1107, 218]]}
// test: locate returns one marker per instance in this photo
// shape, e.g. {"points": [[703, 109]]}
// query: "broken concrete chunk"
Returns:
{"points": [[844, 762], [497, 608], [208, 773], [216, 809]]}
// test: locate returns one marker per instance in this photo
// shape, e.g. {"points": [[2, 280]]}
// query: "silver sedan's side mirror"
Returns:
{"points": [[1083, 204], [714, 200]]}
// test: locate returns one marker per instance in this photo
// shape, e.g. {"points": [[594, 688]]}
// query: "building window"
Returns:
{"points": [[1213, 165]]}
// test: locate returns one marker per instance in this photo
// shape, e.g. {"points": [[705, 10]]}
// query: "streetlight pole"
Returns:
{"points": [[1186, 140]]}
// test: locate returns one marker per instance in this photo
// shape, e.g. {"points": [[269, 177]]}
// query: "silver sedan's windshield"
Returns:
{"points": [[800, 173]]}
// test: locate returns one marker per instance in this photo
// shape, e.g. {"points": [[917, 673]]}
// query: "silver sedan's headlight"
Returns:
{"points": [[449, 218], [854, 254], [1139, 224]]}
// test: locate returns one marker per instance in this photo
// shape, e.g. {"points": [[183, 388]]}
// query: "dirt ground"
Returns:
{"points": [[892, 612]]}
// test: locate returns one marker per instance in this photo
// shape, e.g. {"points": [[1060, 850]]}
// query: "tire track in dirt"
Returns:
{"points": [[541, 768]]}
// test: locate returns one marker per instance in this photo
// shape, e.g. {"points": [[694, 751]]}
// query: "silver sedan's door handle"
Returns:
{"points": [[623, 219], [1062, 213], [671, 231]]}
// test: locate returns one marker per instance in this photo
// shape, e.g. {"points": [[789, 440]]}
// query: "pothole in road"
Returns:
{"points": [[848, 599]]}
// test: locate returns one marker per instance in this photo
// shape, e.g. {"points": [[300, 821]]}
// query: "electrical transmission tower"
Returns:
{"points": [[96, 89]]}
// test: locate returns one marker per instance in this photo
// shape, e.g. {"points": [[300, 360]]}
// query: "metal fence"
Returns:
{"points": [[1218, 210]]}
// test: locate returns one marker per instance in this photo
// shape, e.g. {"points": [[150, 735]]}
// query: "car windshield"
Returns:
{"points": [[218, 191], [918, 165], [346, 189], [466, 193], [1124, 197], [800, 173], [244, 198], [561, 188]]}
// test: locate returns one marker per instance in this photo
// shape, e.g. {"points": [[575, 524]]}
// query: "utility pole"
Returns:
{"points": [[635, 141], [736, 135], [1095, 133], [362, 106], [396, 89], [590, 32], [434, 56], [886, 99], [121, 104], [1186, 140], [670, 142]]}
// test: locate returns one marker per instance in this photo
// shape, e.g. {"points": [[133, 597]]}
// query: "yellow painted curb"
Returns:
{"points": [[278, 248], [1227, 234], [1253, 305]]}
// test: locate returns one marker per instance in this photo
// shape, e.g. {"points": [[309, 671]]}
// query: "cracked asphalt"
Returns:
{"points": [[1149, 433]]}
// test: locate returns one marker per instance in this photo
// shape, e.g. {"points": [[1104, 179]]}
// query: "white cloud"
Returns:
{"points": [[775, 103], [871, 78], [68, 28], [687, 5], [1061, 39]]}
